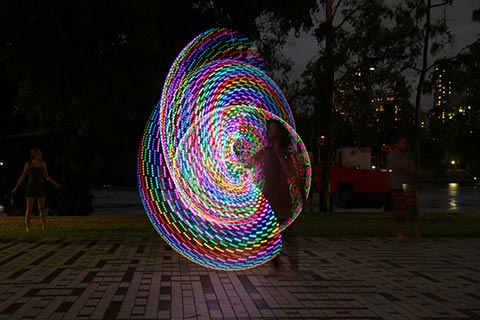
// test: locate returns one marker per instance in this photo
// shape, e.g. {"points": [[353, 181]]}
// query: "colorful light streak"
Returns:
{"points": [[198, 185]]}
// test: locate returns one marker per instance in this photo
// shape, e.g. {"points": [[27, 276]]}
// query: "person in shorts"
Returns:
{"points": [[402, 174]]}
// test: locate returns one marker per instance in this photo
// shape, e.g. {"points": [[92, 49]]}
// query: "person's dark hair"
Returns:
{"points": [[284, 135], [33, 152]]}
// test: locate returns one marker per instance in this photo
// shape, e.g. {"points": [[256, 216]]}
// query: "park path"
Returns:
{"points": [[339, 278]]}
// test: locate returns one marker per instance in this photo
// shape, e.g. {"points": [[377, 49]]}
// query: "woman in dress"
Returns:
{"points": [[279, 172], [36, 171]]}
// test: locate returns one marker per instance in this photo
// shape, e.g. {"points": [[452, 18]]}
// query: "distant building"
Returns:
{"points": [[390, 108], [449, 98], [386, 107], [442, 85]]}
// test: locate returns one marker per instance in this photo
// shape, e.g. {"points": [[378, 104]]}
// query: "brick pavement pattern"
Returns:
{"points": [[338, 278]]}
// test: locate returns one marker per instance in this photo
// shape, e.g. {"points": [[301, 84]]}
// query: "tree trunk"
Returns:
{"points": [[421, 80], [325, 192]]}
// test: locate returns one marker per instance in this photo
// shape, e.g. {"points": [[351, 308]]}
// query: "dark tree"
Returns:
{"points": [[363, 50], [431, 35], [81, 77]]}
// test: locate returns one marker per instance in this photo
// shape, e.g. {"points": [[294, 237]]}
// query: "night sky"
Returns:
{"points": [[302, 49]]}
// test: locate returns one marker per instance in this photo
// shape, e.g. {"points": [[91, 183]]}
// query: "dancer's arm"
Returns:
{"points": [[22, 177], [47, 177]]}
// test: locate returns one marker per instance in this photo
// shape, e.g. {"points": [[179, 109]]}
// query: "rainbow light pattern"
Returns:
{"points": [[198, 187]]}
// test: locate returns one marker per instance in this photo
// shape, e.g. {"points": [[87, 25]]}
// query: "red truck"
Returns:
{"points": [[355, 183]]}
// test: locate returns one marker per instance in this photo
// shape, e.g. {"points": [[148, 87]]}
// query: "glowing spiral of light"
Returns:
{"points": [[199, 185]]}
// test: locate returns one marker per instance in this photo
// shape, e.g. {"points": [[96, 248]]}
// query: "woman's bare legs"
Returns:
{"points": [[399, 231], [417, 230], [28, 213], [41, 210]]}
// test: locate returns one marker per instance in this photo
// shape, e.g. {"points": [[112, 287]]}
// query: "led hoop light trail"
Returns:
{"points": [[199, 185]]}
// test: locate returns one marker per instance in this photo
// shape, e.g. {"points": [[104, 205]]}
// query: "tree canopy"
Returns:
{"points": [[80, 78]]}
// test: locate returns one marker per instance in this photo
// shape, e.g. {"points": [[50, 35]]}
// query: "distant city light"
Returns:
{"points": [[452, 162], [372, 68], [374, 167], [1, 163]]}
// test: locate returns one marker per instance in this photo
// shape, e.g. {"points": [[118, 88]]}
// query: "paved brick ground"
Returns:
{"points": [[371, 278]]}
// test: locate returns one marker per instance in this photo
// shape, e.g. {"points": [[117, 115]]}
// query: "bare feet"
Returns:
{"points": [[273, 273], [291, 274]]}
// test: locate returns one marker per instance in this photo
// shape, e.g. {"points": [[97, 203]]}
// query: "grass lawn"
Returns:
{"points": [[382, 225], [309, 224]]}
